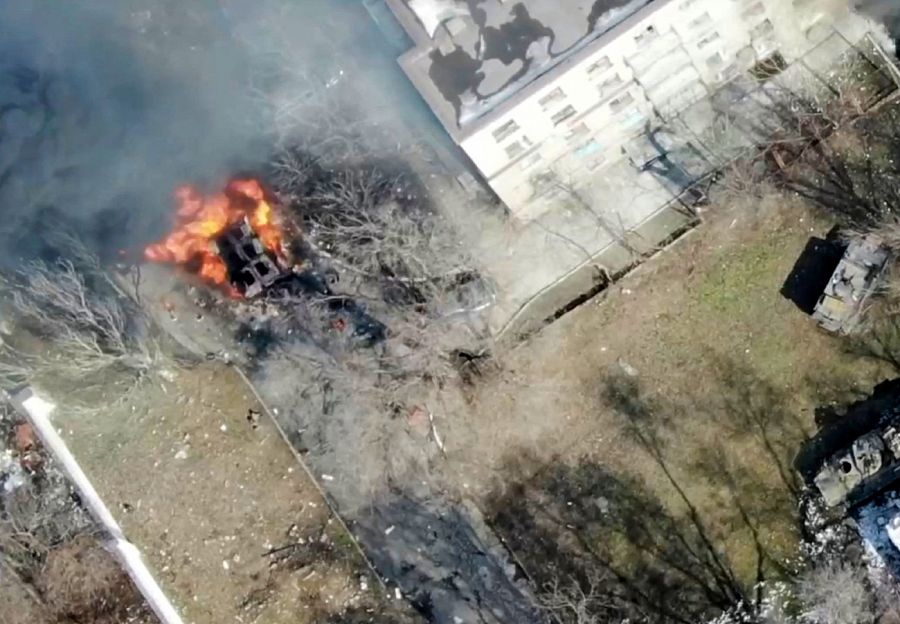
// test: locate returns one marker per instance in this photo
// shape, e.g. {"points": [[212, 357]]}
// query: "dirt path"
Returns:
{"points": [[233, 529]]}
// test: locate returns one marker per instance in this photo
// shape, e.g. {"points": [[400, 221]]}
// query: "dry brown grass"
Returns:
{"points": [[19, 604], [83, 582], [729, 370], [78, 582]]}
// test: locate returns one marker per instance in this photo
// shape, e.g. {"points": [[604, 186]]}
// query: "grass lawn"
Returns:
{"points": [[692, 380]]}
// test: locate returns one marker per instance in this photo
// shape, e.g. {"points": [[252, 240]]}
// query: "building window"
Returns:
{"points": [[588, 149], [611, 85], [769, 67], [633, 120], [621, 103], [506, 130], [564, 114], [578, 131], [514, 150], [647, 36], [763, 29], [728, 73], [596, 68], [754, 11], [714, 61], [708, 39], [591, 154], [554, 97], [700, 22]]}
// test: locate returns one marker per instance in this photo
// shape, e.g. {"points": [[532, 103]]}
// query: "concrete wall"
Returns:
{"points": [[659, 62]]}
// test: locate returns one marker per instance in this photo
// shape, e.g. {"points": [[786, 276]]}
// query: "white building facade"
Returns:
{"points": [[543, 102]]}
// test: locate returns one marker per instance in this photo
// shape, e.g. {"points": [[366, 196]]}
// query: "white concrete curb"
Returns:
{"points": [[38, 411]]}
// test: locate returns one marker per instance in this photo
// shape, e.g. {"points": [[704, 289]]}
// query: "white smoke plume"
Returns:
{"points": [[107, 105]]}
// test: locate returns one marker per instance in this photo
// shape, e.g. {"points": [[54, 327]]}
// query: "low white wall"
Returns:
{"points": [[37, 411]]}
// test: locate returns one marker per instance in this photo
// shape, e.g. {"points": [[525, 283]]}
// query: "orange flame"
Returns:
{"points": [[200, 219]]}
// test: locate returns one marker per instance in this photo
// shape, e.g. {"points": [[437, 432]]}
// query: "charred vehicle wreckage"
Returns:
{"points": [[236, 242], [852, 465], [340, 251]]}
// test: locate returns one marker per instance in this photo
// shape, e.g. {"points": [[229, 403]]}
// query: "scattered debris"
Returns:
{"points": [[418, 420], [627, 368], [32, 461], [434, 432], [25, 438]]}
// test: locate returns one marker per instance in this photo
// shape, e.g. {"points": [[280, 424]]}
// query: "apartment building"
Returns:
{"points": [[543, 95]]}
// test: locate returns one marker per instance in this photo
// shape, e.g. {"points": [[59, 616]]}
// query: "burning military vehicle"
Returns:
{"points": [[235, 242]]}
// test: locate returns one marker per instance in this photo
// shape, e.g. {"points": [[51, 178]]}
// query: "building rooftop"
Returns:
{"points": [[472, 55]]}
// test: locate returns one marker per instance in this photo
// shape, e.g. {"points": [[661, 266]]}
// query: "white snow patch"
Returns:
{"points": [[433, 13], [873, 520]]}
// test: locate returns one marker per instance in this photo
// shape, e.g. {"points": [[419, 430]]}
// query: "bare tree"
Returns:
{"points": [[836, 592], [73, 326], [87, 332], [577, 603], [371, 224], [393, 253], [839, 150]]}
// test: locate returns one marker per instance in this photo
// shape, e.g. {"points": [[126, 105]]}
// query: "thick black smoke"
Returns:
{"points": [[884, 11], [106, 105]]}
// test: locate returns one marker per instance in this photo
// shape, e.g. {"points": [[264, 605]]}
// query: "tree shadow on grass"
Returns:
{"points": [[604, 533], [657, 554], [880, 340], [755, 410]]}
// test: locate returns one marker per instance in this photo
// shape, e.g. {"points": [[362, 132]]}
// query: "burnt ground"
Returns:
{"points": [[433, 549], [358, 436]]}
